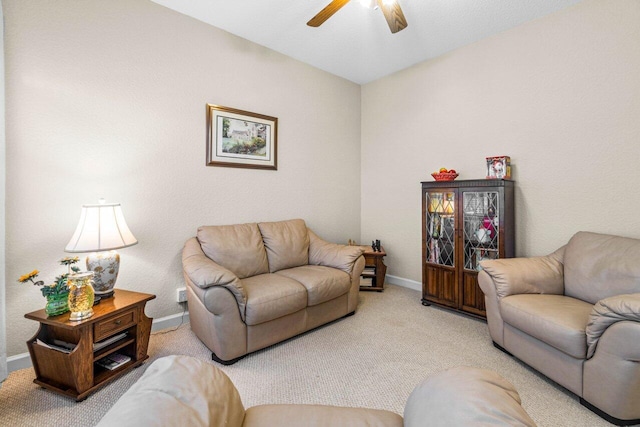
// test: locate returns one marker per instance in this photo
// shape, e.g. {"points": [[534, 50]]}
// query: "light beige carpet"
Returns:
{"points": [[373, 359]]}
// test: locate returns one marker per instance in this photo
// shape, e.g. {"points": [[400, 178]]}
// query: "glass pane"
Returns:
{"points": [[440, 228], [480, 221]]}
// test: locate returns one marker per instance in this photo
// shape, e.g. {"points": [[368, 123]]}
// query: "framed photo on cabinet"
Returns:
{"points": [[241, 139], [498, 167]]}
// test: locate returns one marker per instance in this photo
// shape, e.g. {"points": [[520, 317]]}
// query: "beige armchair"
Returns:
{"points": [[574, 315]]}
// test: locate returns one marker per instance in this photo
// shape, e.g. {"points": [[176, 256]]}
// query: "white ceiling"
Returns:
{"points": [[356, 43]]}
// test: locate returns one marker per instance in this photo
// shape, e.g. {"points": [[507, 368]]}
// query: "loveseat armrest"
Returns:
{"points": [[341, 257], [203, 272], [534, 275], [608, 311]]}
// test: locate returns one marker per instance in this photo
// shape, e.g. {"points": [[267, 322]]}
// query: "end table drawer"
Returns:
{"points": [[112, 325]]}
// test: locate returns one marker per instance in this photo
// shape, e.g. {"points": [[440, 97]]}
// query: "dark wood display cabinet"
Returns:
{"points": [[464, 222], [117, 325]]}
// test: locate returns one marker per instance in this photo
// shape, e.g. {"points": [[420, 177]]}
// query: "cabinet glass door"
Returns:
{"points": [[440, 231], [480, 213]]}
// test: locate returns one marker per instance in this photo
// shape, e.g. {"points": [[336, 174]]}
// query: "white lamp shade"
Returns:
{"points": [[101, 228]]}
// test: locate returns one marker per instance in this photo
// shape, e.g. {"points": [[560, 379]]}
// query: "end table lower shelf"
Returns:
{"points": [[75, 374]]}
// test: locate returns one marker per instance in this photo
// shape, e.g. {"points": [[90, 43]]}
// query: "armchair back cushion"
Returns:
{"points": [[597, 266], [465, 396], [238, 248], [178, 391], [287, 243]]}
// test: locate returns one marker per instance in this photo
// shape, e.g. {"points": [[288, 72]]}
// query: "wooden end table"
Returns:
{"points": [[374, 269], [76, 374]]}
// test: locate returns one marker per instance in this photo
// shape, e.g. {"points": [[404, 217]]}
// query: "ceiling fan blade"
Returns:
{"points": [[394, 16], [326, 13]]}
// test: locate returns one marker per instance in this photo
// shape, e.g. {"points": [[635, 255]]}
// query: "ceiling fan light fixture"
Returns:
{"points": [[390, 9], [369, 4]]}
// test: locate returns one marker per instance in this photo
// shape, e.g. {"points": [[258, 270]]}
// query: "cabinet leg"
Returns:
{"points": [[426, 303]]}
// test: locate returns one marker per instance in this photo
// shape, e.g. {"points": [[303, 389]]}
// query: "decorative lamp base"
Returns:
{"points": [[105, 267], [105, 295]]}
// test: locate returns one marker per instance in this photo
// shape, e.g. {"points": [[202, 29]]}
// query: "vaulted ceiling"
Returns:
{"points": [[356, 43]]}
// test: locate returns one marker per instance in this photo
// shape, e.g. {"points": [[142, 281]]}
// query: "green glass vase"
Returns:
{"points": [[57, 304]]}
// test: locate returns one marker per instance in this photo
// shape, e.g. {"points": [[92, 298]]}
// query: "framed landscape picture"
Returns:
{"points": [[240, 139]]}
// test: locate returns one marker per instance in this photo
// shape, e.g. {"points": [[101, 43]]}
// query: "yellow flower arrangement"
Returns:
{"points": [[59, 286], [29, 277]]}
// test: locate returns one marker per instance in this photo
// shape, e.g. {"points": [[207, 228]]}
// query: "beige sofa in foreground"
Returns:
{"points": [[574, 316], [253, 285], [184, 391]]}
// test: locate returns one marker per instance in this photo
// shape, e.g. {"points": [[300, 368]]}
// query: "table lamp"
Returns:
{"points": [[101, 230]]}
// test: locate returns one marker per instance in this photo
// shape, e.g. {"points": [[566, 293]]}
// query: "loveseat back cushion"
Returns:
{"points": [[465, 396], [597, 266], [238, 248], [287, 243], [557, 320]]}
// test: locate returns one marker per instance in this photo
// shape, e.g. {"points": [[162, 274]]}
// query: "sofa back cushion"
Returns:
{"points": [[598, 266], [287, 243], [238, 248]]}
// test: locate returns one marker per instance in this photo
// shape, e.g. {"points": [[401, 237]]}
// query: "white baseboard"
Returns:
{"points": [[17, 362], [170, 321], [23, 360], [405, 283]]}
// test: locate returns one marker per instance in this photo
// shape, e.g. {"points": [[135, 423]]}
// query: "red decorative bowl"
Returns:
{"points": [[446, 176]]}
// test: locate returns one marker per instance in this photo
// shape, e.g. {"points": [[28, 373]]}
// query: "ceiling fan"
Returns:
{"points": [[390, 8]]}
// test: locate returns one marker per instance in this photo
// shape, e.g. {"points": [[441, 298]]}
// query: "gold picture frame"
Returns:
{"points": [[241, 139]]}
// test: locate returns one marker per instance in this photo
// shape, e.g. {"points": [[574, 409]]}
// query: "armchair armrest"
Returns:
{"points": [[535, 275], [608, 311], [342, 257], [204, 272]]}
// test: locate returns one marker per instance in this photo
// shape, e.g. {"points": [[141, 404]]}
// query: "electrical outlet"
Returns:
{"points": [[181, 295]]}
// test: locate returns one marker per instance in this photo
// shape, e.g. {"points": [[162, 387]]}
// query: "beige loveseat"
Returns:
{"points": [[253, 285], [574, 316], [184, 391]]}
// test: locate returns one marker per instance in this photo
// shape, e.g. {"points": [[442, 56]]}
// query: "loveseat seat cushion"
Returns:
{"points": [[322, 283], [557, 320], [597, 266], [287, 243], [238, 248], [271, 296]]}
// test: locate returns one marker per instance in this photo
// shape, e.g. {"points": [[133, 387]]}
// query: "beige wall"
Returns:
{"points": [[560, 95], [107, 99]]}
